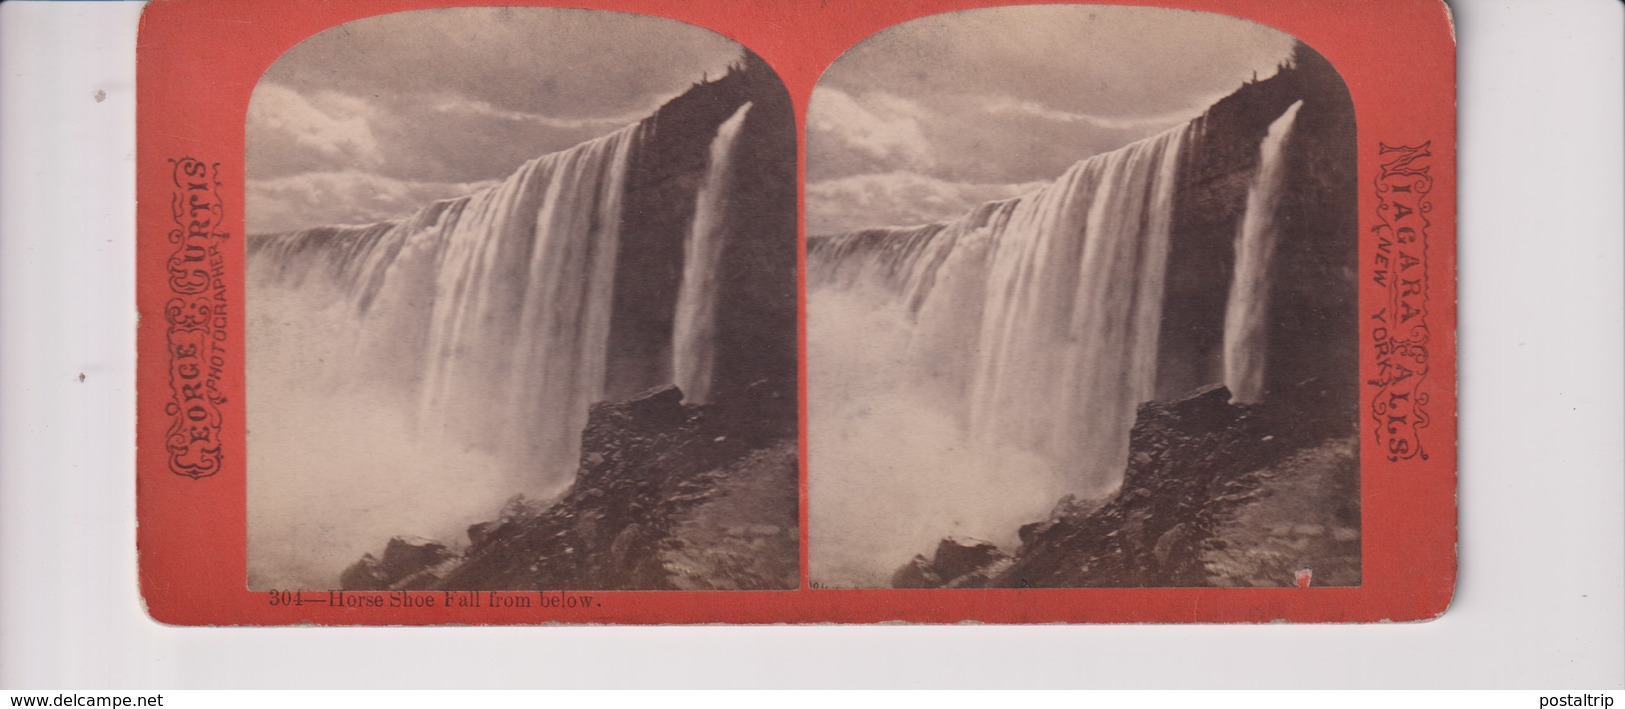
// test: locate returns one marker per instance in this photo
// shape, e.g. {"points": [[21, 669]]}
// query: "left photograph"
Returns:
{"points": [[521, 308]]}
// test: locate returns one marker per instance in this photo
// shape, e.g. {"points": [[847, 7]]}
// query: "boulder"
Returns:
{"points": [[364, 575], [413, 560], [956, 557], [958, 562], [480, 532], [661, 402], [917, 573]]}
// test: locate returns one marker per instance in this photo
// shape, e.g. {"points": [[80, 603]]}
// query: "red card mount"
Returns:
{"points": [[931, 311]]}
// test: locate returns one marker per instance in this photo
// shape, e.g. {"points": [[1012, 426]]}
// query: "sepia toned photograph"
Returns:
{"points": [[795, 313], [521, 308], [1082, 305]]}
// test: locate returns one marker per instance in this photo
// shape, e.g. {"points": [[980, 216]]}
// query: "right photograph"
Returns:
{"points": [[1081, 306]]}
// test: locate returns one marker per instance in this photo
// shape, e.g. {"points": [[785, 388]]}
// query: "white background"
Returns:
{"points": [[1540, 603]]}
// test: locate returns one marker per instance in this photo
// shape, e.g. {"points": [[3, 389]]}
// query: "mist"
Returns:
{"points": [[337, 463], [896, 469]]}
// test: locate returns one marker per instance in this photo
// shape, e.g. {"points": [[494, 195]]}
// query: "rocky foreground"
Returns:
{"points": [[669, 496], [1214, 494]]}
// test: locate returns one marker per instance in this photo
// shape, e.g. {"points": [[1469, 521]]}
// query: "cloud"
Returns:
{"points": [[880, 126], [563, 63], [1104, 61], [331, 125], [1009, 106], [474, 108], [926, 118], [407, 104], [897, 199], [342, 197], [958, 139]]}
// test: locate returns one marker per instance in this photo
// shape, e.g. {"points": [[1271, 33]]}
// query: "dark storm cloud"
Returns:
{"points": [[1013, 95], [425, 103]]}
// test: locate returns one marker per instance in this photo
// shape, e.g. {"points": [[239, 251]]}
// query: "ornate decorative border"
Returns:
{"points": [[195, 82], [196, 318], [1399, 330]]}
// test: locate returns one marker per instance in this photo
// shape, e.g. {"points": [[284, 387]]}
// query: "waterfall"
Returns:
{"points": [[965, 374], [1058, 294], [495, 305], [406, 377], [1246, 314], [694, 330], [1068, 348]]}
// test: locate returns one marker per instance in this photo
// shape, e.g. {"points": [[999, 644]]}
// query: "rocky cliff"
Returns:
{"points": [[1314, 303], [669, 496], [1214, 494], [757, 296]]}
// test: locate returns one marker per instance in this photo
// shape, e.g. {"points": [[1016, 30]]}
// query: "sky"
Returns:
{"points": [[929, 118], [372, 119]]}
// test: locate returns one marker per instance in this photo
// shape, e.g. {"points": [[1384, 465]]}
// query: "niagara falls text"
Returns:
{"points": [[1399, 328]]}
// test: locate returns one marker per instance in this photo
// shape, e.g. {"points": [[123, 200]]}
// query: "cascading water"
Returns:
{"points": [[500, 300], [1246, 315], [1071, 322], [407, 377], [963, 375], [694, 330]]}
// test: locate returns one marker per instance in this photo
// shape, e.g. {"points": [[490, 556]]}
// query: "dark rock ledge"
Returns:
{"points": [[668, 496], [1214, 494]]}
